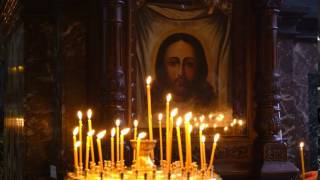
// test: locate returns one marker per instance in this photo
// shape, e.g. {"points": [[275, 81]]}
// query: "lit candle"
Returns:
{"points": [[201, 128], [178, 123], [113, 132], [225, 129], [168, 98], [140, 136], [240, 122], [80, 137], [118, 139], [148, 81], [100, 135], [172, 115], [203, 140], [89, 136], [123, 133], [187, 118], [160, 116], [190, 148], [302, 159], [220, 117], [75, 154], [75, 150], [214, 145], [135, 124], [89, 115]]}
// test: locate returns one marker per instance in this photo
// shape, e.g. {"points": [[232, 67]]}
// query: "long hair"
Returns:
{"points": [[202, 66]]}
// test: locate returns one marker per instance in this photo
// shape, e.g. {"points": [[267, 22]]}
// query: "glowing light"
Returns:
{"points": [[125, 131], [75, 131], [78, 143], [179, 121], [91, 133], [118, 122], [169, 97], [142, 135], [79, 114], [188, 116], [149, 79], [174, 112], [160, 116], [135, 123], [203, 139], [216, 137], [101, 134], [89, 113], [113, 132], [301, 144]]}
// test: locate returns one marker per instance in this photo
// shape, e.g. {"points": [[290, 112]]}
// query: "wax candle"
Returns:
{"points": [[214, 145], [190, 147], [118, 139], [80, 136], [148, 81], [172, 115], [187, 118], [123, 133], [201, 128], [89, 115], [302, 159], [77, 144], [135, 124], [140, 136], [75, 154], [203, 140], [113, 132], [100, 135], [88, 143], [178, 123], [168, 98], [160, 116]]}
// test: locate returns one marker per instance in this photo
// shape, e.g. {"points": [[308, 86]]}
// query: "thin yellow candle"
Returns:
{"points": [[118, 139], [89, 115], [123, 133], [148, 81], [178, 123], [113, 132], [190, 148], [240, 123], [160, 116], [135, 124], [203, 140], [89, 136], [214, 145], [302, 159], [201, 128], [186, 129], [100, 135], [75, 154], [140, 136], [173, 113], [168, 98], [80, 136], [75, 158]]}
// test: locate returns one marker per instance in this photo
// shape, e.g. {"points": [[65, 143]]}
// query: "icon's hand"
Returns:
{"points": [[311, 175]]}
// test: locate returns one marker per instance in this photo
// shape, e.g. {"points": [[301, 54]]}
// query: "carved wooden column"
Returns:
{"points": [[270, 153], [114, 59]]}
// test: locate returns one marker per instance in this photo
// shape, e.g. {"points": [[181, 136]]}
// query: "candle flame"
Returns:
{"points": [[101, 134], [203, 139], [214, 125], [234, 121], [301, 145], [210, 116], [174, 112], [113, 132], [169, 97], [160, 116], [149, 79], [179, 121], [125, 131], [75, 131], [240, 122], [231, 124], [202, 118], [216, 137], [202, 126], [188, 116], [79, 114], [118, 122], [226, 128], [89, 113], [142, 135], [78, 143], [135, 123], [220, 117], [190, 129], [91, 133]]}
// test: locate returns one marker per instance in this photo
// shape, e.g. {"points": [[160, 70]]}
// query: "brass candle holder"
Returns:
{"points": [[146, 147]]}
